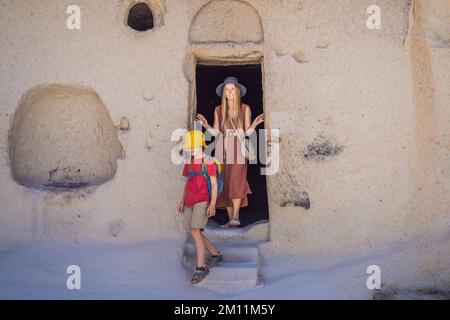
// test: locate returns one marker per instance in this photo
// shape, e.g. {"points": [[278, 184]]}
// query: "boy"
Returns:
{"points": [[199, 203]]}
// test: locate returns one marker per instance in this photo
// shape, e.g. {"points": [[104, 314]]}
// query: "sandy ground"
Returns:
{"points": [[153, 270]]}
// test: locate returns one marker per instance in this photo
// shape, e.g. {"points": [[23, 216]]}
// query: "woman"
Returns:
{"points": [[230, 118]]}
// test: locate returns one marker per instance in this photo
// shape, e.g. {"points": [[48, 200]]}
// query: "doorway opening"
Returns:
{"points": [[208, 76]]}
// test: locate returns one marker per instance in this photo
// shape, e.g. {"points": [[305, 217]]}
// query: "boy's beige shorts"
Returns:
{"points": [[196, 216]]}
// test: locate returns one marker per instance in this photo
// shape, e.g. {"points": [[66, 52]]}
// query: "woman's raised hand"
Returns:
{"points": [[259, 119], [203, 121]]}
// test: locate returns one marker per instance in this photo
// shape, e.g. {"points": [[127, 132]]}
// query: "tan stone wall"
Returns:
{"points": [[375, 101], [137, 75], [63, 137]]}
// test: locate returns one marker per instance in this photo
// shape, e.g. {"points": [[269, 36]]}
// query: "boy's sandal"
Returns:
{"points": [[199, 274], [215, 260]]}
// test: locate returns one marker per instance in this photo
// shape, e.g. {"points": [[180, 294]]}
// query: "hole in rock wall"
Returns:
{"points": [[140, 17]]}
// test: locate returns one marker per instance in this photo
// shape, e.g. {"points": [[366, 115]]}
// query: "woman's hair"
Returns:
{"points": [[236, 110]]}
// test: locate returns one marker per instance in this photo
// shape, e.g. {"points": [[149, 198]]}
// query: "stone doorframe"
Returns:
{"points": [[196, 57], [227, 56]]}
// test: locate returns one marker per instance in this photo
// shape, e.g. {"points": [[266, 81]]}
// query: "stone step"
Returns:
{"points": [[240, 269], [258, 231], [229, 253], [232, 276]]}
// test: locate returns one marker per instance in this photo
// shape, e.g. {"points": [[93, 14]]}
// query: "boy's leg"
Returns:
{"points": [[209, 246], [187, 219], [198, 222], [199, 246]]}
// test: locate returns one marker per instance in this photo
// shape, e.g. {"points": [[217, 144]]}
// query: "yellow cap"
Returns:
{"points": [[194, 139]]}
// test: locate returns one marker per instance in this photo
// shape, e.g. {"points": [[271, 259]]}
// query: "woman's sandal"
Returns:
{"points": [[199, 274], [235, 222]]}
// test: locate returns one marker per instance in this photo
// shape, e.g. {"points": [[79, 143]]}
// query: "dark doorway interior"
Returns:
{"points": [[250, 75]]}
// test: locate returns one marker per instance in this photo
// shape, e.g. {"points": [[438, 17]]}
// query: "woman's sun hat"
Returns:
{"points": [[234, 80]]}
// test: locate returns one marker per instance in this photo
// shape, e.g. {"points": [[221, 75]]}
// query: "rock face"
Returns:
{"points": [[300, 56], [62, 136], [379, 176], [226, 21], [436, 14]]}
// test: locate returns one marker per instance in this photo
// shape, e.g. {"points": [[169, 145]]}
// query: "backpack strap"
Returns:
{"points": [[205, 173], [193, 173], [208, 180]]}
